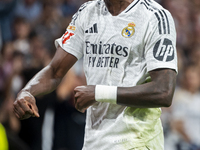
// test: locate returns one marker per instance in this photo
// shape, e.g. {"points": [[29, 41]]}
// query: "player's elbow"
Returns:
{"points": [[167, 103], [166, 94], [166, 98]]}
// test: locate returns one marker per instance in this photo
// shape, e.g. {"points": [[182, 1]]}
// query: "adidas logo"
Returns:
{"points": [[93, 29]]}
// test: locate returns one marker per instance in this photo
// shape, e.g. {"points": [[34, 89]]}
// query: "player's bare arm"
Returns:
{"points": [[42, 83], [157, 93]]}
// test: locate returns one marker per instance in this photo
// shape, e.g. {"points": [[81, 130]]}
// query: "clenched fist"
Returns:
{"points": [[84, 97], [25, 106]]}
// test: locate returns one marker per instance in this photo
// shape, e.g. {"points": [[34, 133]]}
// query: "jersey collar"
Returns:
{"points": [[105, 9]]}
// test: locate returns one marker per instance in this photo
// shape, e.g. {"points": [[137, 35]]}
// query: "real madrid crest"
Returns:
{"points": [[128, 32]]}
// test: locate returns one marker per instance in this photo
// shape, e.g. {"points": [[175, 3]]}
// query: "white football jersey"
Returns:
{"points": [[120, 51]]}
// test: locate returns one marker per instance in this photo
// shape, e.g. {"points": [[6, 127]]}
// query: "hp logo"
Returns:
{"points": [[164, 50]]}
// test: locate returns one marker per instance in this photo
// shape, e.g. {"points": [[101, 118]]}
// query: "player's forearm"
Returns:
{"points": [[49, 78], [157, 93], [43, 82], [146, 95]]}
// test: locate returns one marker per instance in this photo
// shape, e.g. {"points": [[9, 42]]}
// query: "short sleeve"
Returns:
{"points": [[160, 42], [72, 40]]}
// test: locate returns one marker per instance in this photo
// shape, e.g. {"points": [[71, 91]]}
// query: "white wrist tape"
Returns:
{"points": [[104, 93]]}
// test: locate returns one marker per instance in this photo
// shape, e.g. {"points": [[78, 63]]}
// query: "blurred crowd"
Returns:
{"points": [[28, 29]]}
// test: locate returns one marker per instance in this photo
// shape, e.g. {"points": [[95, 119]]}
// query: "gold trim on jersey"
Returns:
{"points": [[128, 31], [73, 28]]}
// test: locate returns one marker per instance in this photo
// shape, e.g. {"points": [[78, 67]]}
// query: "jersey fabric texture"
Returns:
{"points": [[120, 51]]}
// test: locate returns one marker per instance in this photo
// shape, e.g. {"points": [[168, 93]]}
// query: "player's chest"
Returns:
{"points": [[121, 31]]}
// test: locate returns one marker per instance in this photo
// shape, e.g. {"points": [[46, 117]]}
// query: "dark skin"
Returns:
{"points": [[157, 93], [42, 83], [115, 7]]}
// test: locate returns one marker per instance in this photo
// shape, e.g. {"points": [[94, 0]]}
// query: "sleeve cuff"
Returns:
{"points": [[154, 66]]}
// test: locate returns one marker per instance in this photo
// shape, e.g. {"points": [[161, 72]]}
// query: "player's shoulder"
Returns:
{"points": [[87, 6], [154, 10], [84, 11], [157, 15]]}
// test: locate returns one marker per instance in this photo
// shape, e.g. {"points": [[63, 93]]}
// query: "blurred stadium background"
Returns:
{"points": [[28, 29]]}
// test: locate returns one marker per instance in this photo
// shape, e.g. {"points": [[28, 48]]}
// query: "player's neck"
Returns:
{"points": [[115, 7]]}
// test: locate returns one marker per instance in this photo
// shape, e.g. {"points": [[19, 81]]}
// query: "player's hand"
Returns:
{"points": [[25, 106], [84, 97]]}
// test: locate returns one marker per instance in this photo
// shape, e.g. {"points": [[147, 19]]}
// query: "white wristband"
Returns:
{"points": [[104, 93]]}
